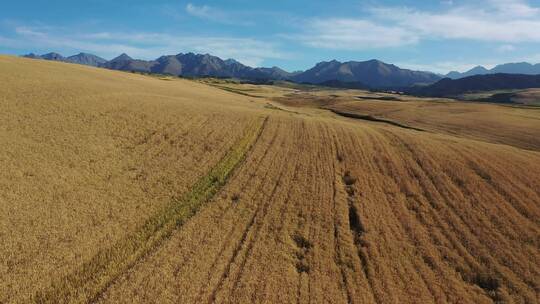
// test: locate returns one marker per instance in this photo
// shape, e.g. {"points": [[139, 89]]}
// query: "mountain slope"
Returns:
{"points": [[53, 56], [478, 70], [453, 87], [372, 73], [126, 63], [167, 65], [86, 59]]}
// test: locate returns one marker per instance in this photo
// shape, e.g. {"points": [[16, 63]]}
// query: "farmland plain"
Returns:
{"points": [[309, 206]]}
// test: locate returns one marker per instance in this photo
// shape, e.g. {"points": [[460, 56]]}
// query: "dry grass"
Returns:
{"points": [[323, 209]]}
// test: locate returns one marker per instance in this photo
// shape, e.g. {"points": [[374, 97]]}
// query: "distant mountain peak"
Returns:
{"points": [[53, 56], [122, 57], [231, 61], [374, 61], [86, 59], [372, 73], [478, 68], [32, 55]]}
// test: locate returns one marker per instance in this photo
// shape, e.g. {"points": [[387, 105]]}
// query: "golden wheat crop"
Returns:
{"points": [[506, 124], [326, 212], [503, 124], [88, 155], [280, 203]]}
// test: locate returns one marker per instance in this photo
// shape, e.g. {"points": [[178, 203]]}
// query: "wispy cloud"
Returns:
{"points": [[353, 34], [146, 45], [533, 58], [510, 21], [504, 21], [515, 8], [215, 15], [10, 42], [506, 48], [199, 11]]}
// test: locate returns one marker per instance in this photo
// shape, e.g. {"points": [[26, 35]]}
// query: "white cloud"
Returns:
{"points": [[511, 21], [215, 15], [515, 8], [535, 58], [503, 21], [353, 34], [30, 37], [146, 45], [199, 11], [11, 43], [506, 48]]}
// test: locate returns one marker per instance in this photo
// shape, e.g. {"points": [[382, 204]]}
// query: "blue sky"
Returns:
{"points": [[426, 35]]}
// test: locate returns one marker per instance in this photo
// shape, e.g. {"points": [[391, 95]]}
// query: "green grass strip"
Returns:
{"points": [[89, 282]]}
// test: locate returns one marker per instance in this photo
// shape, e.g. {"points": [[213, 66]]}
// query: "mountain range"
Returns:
{"points": [[365, 74], [81, 58], [189, 65], [507, 68], [371, 74]]}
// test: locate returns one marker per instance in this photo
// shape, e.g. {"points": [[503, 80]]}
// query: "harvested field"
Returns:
{"points": [[307, 207]]}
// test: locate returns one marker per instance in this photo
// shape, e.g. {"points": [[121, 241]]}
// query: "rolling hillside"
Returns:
{"points": [[123, 188]]}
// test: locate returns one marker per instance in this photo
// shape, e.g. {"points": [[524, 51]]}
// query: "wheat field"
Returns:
{"points": [[123, 188]]}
